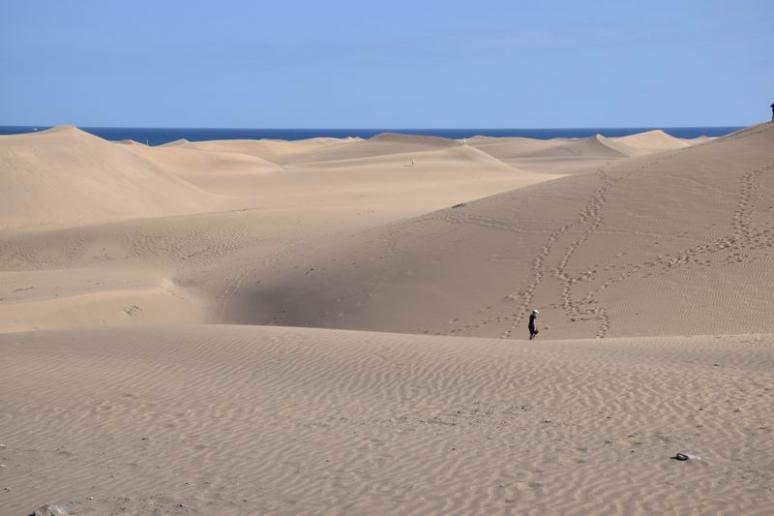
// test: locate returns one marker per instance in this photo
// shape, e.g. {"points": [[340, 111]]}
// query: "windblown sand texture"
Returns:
{"points": [[338, 326]]}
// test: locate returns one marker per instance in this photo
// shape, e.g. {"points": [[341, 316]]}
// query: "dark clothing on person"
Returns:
{"points": [[532, 329], [772, 112]]}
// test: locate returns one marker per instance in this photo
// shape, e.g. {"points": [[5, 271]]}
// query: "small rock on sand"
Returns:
{"points": [[685, 456], [50, 510]]}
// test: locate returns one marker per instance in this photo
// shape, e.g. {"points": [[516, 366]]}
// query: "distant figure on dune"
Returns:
{"points": [[772, 111], [532, 329]]}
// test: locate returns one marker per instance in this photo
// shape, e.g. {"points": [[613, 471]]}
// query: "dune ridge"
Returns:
{"points": [[275, 151], [67, 176]]}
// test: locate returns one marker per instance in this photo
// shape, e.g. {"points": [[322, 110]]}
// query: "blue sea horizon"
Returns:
{"points": [[161, 135]]}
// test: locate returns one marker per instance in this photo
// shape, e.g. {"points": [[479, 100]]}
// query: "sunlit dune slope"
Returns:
{"points": [[674, 243], [66, 176]]}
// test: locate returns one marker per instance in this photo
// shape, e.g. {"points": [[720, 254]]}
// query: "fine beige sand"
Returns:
{"points": [[257, 420], [672, 243], [338, 326]]}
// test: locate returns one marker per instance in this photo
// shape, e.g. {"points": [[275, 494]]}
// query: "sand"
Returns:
{"points": [[224, 419], [672, 243], [338, 325]]}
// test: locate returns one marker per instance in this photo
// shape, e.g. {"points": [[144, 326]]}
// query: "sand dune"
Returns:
{"points": [[109, 305], [379, 145], [276, 151], [598, 146], [645, 241], [510, 148], [652, 141], [194, 162], [205, 254], [176, 143], [246, 420], [455, 156], [592, 147], [569, 154], [66, 176], [275, 256], [675, 244]]}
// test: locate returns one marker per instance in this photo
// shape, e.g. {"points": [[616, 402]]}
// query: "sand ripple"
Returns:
{"points": [[229, 419]]}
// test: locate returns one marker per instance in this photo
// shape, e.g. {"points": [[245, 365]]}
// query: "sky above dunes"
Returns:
{"points": [[386, 64]]}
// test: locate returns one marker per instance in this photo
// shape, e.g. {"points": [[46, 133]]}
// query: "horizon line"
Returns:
{"points": [[385, 127]]}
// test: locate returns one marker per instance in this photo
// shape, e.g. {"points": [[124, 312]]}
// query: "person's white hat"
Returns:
{"points": [[535, 312]]}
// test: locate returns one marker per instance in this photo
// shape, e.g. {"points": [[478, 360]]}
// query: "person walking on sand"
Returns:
{"points": [[532, 328], [772, 111]]}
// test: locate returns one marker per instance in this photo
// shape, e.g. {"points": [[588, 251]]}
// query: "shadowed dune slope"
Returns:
{"points": [[675, 243], [245, 420], [183, 268]]}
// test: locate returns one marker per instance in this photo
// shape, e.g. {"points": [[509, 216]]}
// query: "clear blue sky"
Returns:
{"points": [[397, 63]]}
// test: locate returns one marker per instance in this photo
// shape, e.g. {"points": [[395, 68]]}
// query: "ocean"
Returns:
{"points": [[160, 135]]}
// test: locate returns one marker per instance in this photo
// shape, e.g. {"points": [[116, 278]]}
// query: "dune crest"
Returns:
{"points": [[650, 142], [67, 176]]}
